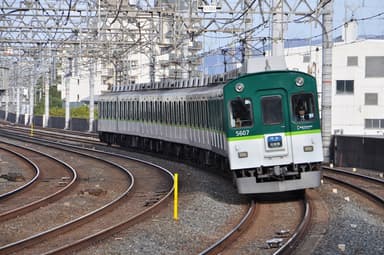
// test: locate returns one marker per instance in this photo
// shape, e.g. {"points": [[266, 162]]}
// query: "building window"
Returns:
{"points": [[352, 61], [371, 99], [344, 86], [306, 58], [374, 123], [374, 66]]}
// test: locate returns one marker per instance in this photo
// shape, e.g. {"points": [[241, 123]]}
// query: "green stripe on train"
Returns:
{"points": [[255, 137]]}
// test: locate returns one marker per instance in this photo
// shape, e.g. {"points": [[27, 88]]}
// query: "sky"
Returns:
{"points": [[361, 9], [345, 10]]}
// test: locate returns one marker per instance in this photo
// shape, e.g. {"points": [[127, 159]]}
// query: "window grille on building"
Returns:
{"points": [[306, 58], [371, 99], [344, 86], [374, 123], [374, 66], [352, 61]]}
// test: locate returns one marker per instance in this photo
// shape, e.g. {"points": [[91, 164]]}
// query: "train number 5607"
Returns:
{"points": [[242, 132]]}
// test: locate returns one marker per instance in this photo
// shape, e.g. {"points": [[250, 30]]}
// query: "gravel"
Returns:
{"points": [[209, 204], [208, 207], [356, 225]]}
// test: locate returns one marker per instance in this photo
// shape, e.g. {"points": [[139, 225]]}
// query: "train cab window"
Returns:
{"points": [[303, 107], [272, 111], [241, 113]]}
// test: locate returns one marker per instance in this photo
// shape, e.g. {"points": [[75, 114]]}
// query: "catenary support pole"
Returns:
{"points": [[326, 99], [46, 108], [91, 94], [67, 78]]}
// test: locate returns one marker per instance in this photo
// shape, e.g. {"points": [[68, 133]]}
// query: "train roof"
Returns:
{"points": [[200, 92]]}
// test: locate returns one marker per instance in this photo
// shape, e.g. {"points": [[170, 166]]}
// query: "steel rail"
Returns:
{"points": [[363, 191], [133, 220], [354, 174], [289, 246], [226, 239], [35, 167], [46, 199], [40, 236]]}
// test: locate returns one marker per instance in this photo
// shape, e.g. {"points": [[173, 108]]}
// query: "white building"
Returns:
{"points": [[357, 81]]}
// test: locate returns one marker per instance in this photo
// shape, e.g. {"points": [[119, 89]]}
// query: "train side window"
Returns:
{"points": [[126, 110], [122, 110], [152, 111], [160, 112], [110, 110], [129, 110], [187, 115], [100, 110], [172, 113], [199, 114], [241, 113], [205, 114], [109, 105], [166, 105], [177, 120], [303, 107], [272, 110], [182, 115]]}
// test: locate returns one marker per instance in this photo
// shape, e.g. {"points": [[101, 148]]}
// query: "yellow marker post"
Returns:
{"points": [[31, 129], [175, 202]]}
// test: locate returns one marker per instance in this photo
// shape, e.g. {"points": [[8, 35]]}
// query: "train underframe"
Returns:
{"points": [[196, 156], [278, 178]]}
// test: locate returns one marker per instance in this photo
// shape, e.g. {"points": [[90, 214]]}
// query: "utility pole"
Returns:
{"points": [[92, 73], [326, 99], [277, 29], [32, 93], [17, 78], [5, 86], [67, 77], [46, 107]]}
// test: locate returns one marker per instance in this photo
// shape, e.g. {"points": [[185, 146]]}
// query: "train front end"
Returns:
{"points": [[273, 131]]}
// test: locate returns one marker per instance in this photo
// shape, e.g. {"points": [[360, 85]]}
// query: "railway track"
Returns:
{"points": [[120, 215], [237, 241], [55, 135], [263, 223], [53, 179], [27, 172], [356, 218], [369, 186]]}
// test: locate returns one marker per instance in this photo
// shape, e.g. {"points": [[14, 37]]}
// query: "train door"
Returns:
{"points": [[272, 110]]}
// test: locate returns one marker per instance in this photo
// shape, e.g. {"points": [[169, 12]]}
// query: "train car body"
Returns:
{"points": [[271, 146], [251, 123]]}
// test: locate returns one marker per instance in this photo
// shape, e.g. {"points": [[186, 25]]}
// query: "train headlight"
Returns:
{"points": [[239, 87], [242, 154], [299, 81], [308, 148]]}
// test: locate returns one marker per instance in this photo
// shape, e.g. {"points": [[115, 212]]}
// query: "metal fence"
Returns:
{"points": [[358, 151], [75, 124]]}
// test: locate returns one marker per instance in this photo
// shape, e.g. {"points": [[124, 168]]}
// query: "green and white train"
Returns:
{"points": [[263, 127]]}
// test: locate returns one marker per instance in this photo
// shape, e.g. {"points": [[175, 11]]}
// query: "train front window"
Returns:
{"points": [[241, 113], [272, 110], [303, 107]]}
